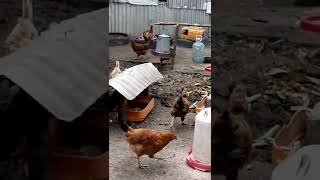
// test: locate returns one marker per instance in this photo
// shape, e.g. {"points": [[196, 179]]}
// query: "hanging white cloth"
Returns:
{"points": [[209, 7], [144, 2]]}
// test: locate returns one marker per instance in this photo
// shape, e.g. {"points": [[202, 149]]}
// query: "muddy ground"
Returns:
{"points": [[281, 67], [185, 74], [285, 74]]}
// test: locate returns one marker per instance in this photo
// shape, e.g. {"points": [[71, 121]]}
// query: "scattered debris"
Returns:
{"points": [[249, 167], [260, 20], [301, 54], [253, 98], [314, 54], [316, 81], [267, 138], [276, 71]]}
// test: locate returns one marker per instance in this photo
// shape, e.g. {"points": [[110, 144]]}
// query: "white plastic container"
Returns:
{"points": [[200, 155], [198, 51]]}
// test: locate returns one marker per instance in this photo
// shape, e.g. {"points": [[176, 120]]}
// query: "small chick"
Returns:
{"points": [[147, 142], [180, 107], [116, 71]]}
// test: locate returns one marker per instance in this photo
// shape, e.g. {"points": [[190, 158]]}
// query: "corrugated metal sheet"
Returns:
{"points": [[134, 80], [189, 4], [63, 69], [133, 20]]}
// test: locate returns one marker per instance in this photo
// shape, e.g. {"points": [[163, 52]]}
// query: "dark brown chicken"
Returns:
{"points": [[148, 142], [238, 99], [180, 107], [140, 49], [232, 136]]}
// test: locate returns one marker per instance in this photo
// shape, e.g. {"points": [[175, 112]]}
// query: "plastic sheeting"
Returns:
{"points": [[303, 165]]}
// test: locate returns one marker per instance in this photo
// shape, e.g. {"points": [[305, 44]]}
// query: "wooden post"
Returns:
{"points": [[176, 34]]}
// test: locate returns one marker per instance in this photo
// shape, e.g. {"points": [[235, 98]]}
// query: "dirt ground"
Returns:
{"points": [[282, 68], [121, 164]]}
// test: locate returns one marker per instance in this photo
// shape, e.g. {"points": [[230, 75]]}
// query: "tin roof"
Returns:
{"points": [[134, 80], [63, 69]]}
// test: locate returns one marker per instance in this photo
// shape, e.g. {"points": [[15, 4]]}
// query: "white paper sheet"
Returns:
{"points": [[144, 2]]}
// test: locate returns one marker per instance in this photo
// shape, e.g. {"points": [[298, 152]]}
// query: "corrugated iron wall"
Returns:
{"points": [[133, 19], [190, 4]]}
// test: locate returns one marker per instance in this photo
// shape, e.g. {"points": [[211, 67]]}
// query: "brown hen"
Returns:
{"points": [[140, 49], [232, 136], [148, 142]]}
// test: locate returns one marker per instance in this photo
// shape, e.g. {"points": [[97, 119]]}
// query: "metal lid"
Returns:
{"points": [[164, 35]]}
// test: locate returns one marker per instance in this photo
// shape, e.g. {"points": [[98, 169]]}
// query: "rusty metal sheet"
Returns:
{"points": [[64, 69]]}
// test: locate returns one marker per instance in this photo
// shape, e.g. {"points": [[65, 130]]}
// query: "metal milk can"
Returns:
{"points": [[163, 44]]}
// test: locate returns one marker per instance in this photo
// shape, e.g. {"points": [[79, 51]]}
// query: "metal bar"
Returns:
{"points": [[181, 24]]}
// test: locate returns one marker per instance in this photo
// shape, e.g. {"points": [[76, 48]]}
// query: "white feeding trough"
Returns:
{"points": [[199, 156]]}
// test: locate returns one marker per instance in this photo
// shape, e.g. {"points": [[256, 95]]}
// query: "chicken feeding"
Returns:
{"points": [[147, 142], [180, 107], [140, 49], [232, 135]]}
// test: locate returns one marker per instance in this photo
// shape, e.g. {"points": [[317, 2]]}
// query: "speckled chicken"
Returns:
{"points": [[180, 107]]}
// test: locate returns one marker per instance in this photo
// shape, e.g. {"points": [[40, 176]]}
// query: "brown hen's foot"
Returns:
{"points": [[143, 166], [160, 159]]}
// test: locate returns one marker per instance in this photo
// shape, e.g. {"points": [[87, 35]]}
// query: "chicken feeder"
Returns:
{"points": [[163, 44], [199, 156]]}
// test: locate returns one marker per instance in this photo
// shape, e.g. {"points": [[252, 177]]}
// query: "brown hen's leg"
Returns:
{"points": [[141, 165], [182, 119], [171, 124]]}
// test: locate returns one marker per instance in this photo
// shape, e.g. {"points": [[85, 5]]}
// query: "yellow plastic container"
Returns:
{"points": [[190, 33]]}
